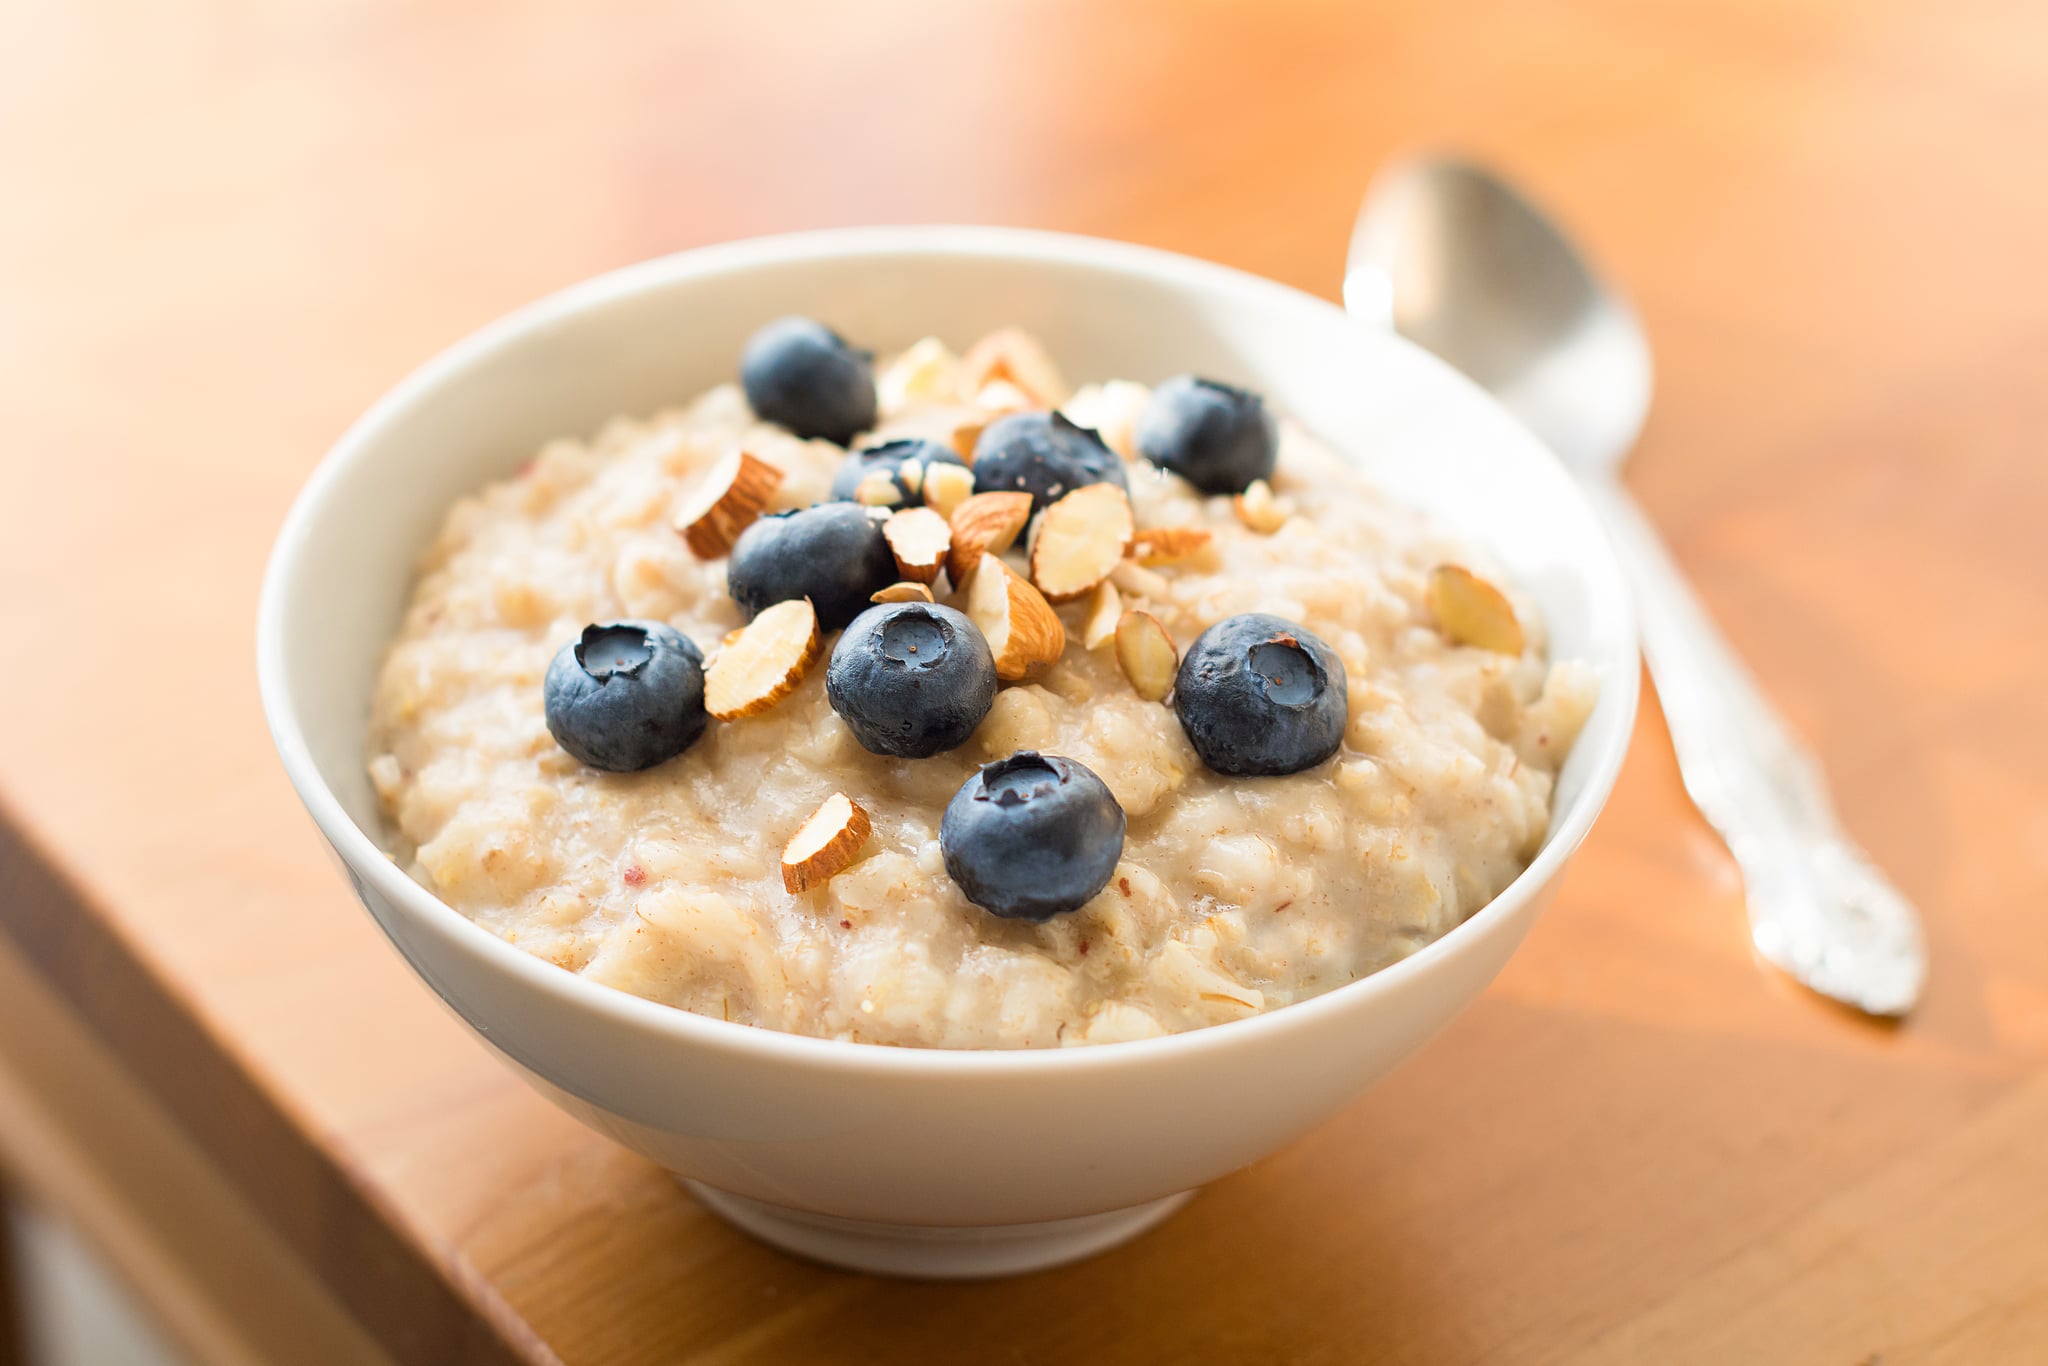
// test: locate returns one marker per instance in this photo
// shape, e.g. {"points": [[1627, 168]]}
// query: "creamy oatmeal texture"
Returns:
{"points": [[1234, 895]]}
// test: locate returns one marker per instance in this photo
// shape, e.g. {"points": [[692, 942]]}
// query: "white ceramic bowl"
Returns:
{"points": [[906, 1160]]}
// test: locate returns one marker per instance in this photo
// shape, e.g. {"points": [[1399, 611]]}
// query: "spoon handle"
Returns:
{"points": [[1818, 907]]}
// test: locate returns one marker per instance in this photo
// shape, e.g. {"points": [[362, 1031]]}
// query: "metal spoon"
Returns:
{"points": [[1453, 258]]}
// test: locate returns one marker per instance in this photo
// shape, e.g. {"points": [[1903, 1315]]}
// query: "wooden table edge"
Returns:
{"points": [[322, 1211]]}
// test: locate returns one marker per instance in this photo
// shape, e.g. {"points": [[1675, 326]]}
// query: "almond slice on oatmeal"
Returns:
{"points": [[1000, 398], [919, 539], [1080, 539], [1146, 653], [1022, 630], [877, 489], [986, 524], [725, 502], [946, 487], [1170, 544], [907, 591], [1259, 509], [1140, 582], [826, 844], [1471, 611], [1013, 356], [924, 372], [763, 662], [1105, 608]]}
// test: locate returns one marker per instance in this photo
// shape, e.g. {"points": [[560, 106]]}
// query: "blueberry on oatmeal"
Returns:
{"points": [[801, 374], [1218, 438], [911, 679], [834, 554], [1032, 836], [1045, 455], [626, 695], [1260, 696], [891, 474]]}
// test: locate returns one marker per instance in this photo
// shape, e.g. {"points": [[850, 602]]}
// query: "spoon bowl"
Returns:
{"points": [[1452, 257]]}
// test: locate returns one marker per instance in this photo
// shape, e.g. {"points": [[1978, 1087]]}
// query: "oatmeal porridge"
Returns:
{"points": [[1042, 718]]}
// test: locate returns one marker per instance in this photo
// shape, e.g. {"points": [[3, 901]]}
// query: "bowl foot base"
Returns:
{"points": [[927, 1253]]}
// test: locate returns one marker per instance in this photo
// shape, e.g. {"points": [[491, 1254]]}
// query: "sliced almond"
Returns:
{"points": [[731, 495], [946, 487], [1146, 652], [919, 539], [1170, 544], [826, 844], [1112, 410], [986, 523], [1013, 356], [957, 426], [1022, 630], [1258, 509], [925, 372], [1081, 537], [999, 398], [1104, 608], [1140, 582], [877, 490], [903, 592], [760, 666], [1472, 611]]}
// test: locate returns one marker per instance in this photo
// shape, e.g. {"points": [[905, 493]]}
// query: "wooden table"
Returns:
{"points": [[227, 227]]}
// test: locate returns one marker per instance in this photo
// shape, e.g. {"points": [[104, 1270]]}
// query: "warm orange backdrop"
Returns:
{"points": [[225, 227]]}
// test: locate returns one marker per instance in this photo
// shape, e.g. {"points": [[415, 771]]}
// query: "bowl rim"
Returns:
{"points": [[360, 852]]}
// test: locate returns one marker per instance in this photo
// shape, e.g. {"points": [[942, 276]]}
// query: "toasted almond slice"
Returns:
{"points": [[1472, 611], [1022, 630], [1170, 544], [1140, 582], [925, 372], [826, 844], [1145, 650], [1081, 537], [877, 490], [1014, 356], [767, 660], [911, 474], [999, 397], [946, 487], [1104, 608], [906, 591], [919, 539], [728, 499], [1258, 509], [1112, 410], [986, 523]]}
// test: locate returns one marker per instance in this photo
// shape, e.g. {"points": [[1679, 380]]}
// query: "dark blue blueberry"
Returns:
{"points": [[799, 373], [1045, 455], [834, 554], [1217, 438], [1258, 695], [626, 695], [911, 679], [888, 458], [1032, 836]]}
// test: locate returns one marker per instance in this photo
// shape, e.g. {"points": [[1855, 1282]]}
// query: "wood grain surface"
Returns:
{"points": [[228, 226]]}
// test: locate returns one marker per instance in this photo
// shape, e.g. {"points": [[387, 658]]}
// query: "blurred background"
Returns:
{"points": [[229, 226]]}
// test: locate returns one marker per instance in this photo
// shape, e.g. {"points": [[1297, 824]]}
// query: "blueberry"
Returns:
{"points": [[1045, 455], [626, 695], [1217, 438], [1032, 836], [833, 554], [1258, 695], [888, 458], [799, 373], [911, 679]]}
